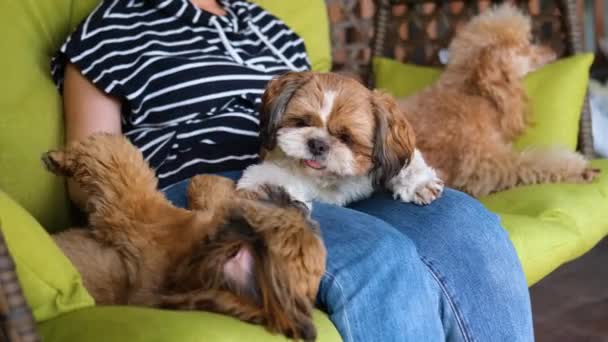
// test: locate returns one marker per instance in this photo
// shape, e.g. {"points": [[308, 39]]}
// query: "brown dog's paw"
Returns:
{"points": [[206, 192], [591, 174], [55, 162], [279, 196], [307, 331]]}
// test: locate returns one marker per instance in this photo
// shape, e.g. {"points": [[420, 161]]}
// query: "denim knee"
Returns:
{"points": [[471, 259], [380, 283], [478, 246], [386, 253], [476, 235]]}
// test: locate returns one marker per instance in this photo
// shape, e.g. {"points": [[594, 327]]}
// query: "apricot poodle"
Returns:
{"points": [[466, 122]]}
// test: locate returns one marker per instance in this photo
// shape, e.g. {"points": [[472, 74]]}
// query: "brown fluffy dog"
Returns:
{"points": [[259, 260], [466, 122]]}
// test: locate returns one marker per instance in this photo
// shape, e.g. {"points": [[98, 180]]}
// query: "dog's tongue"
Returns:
{"points": [[313, 164]]}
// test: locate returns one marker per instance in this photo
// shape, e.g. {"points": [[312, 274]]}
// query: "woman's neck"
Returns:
{"points": [[211, 6]]}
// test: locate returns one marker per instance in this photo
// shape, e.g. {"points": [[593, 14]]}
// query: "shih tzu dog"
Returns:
{"points": [[326, 137]]}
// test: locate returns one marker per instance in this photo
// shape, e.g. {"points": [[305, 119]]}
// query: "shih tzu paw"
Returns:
{"points": [[422, 194], [417, 182], [428, 192]]}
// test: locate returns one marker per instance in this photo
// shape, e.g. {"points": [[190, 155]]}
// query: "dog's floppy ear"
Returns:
{"points": [[274, 103], [493, 78], [394, 139]]}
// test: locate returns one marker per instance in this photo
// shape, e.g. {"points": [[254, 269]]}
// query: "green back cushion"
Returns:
{"points": [[556, 93], [309, 20], [50, 283], [31, 120]]}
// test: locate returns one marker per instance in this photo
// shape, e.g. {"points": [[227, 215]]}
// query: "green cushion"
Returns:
{"points": [[131, 324], [31, 120], [300, 16], [551, 224], [51, 284], [559, 87]]}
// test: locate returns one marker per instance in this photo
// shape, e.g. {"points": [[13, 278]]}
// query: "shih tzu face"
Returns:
{"points": [[329, 125]]}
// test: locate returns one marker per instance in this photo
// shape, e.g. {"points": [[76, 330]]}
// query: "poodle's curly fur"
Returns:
{"points": [[466, 122], [258, 257]]}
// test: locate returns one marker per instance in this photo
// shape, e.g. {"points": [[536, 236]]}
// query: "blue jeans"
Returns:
{"points": [[401, 272]]}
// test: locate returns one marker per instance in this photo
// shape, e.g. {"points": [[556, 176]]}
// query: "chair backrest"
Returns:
{"points": [[415, 31]]}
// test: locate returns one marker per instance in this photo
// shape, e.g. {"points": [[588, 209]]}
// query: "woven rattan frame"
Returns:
{"points": [[16, 317]]}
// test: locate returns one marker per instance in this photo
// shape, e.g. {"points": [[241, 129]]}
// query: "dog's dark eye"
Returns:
{"points": [[299, 123], [345, 138]]}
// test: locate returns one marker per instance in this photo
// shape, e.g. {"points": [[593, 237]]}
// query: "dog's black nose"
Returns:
{"points": [[317, 147]]}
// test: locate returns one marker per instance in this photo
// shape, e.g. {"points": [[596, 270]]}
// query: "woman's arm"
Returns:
{"points": [[87, 110]]}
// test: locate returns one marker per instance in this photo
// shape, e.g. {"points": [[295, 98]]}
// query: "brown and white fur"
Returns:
{"points": [[260, 260], [466, 122], [326, 137]]}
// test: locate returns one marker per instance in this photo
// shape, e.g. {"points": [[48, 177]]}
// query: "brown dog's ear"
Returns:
{"points": [[494, 79], [394, 139], [274, 103]]}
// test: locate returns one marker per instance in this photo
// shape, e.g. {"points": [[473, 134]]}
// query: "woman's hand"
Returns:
{"points": [[87, 110]]}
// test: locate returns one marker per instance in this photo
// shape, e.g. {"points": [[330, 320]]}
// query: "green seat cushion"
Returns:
{"points": [[551, 224], [51, 284], [130, 324], [559, 87]]}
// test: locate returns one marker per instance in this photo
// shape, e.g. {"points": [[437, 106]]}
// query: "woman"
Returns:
{"points": [[183, 78]]}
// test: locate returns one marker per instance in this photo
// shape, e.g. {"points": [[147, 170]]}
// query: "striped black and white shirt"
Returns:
{"points": [[190, 81]]}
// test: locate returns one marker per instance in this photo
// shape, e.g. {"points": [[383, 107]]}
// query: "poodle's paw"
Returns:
{"points": [[590, 174]]}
